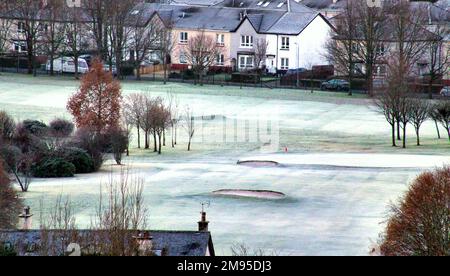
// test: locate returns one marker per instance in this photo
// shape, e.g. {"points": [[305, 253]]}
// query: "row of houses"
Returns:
{"points": [[296, 31], [295, 34]]}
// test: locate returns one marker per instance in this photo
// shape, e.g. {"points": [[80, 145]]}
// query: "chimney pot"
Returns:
{"points": [[203, 223], [26, 217]]}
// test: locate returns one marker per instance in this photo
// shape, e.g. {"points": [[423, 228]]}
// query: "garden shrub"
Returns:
{"points": [[7, 126], [82, 161], [54, 167], [35, 127], [61, 128]]}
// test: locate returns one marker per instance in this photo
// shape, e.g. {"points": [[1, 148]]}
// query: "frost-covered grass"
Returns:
{"points": [[339, 172]]}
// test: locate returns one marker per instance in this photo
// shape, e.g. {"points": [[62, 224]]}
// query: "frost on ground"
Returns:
{"points": [[336, 166]]}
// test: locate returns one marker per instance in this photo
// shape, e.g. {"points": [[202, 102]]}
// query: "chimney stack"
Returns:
{"points": [[203, 223], [26, 218]]}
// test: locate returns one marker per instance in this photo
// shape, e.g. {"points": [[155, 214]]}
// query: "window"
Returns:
{"points": [[183, 37], [247, 41], [280, 5], [183, 58], [21, 27], [284, 63], [260, 3], [266, 4], [246, 62], [220, 39], [20, 46], [220, 59], [381, 50], [285, 43]]}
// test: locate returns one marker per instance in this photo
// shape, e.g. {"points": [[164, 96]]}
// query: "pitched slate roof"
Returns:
{"points": [[292, 23], [223, 18], [174, 243]]}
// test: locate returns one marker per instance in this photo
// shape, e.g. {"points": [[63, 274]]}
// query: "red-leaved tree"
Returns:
{"points": [[420, 223], [97, 102]]}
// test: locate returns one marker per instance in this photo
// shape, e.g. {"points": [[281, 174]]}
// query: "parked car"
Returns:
{"points": [[445, 92], [296, 71], [67, 65], [335, 84]]}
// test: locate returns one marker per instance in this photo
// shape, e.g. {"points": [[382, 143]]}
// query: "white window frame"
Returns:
{"points": [[220, 39], [284, 64], [20, 46], [220, 59], [246, 64], [183, 58], [246, 41], [285, 42], [21, 27], [184, 37]]}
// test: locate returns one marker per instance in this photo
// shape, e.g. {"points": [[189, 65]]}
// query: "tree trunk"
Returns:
{"points": [[418, 136], [430, 88], [399, 136], [52, 58], [164, 137], [147, 144], [165, 73], [159, 146], [138, 73], [172, 134], [189, 145], [138, 136], [393, 135], [155, 146], [175, 136], [437, 129], [404, 136]]}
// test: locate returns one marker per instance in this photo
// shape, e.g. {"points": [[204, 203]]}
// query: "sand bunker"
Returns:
{"points": [[250, 193], [258, 163]]}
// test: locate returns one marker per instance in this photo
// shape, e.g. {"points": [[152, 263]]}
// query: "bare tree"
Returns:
{"points": [[441, 113], [189, 125], [173, 105], [201, 53], [6, 25], [418, 112], [120, 215], [119, 33], [261, 47], [438, 54], [76, 39], [97, 10], [55, 32], [370, 32], [387, 105], [28, 27], [134, 109], [341, 50], [144, 39], [166, 44]]}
